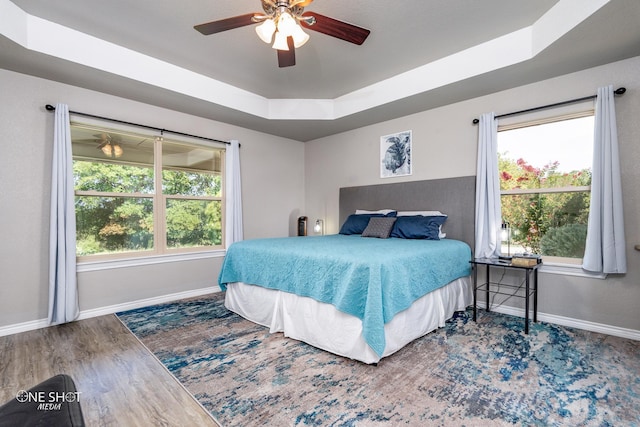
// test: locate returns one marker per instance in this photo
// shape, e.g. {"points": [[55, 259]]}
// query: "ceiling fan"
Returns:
{"points": [[109, 145], [282, 23]]}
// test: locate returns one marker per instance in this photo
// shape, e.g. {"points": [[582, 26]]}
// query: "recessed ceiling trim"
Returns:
{"points": [[492, 55], [50, 38], [562, 18]]}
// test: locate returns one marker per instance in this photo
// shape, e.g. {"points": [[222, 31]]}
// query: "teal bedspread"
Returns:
{"points": [[372, 279]]}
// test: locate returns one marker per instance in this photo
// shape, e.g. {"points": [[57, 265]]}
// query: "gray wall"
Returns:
{"points": [[444, 145], [272, 196]]}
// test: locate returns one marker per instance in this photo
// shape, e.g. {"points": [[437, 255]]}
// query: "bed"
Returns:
{"points": [[362, 298]]}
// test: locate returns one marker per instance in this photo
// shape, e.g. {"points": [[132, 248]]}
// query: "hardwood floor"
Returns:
{"points": [[120, 382]]}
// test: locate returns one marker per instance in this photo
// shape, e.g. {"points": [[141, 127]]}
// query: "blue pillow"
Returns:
{"points": [[355, 224], [418, 227]]}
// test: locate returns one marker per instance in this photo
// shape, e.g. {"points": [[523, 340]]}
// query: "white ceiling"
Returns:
{"points": [[421, 54]]}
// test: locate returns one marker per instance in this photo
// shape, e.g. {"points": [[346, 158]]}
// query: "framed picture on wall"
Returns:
{"points": [[395, 154]]}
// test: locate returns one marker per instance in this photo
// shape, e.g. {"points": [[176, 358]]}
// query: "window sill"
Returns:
{"points": [[87, 266], [569, 270]]}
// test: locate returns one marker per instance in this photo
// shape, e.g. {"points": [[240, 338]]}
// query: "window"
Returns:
{"points": [[140, 194], [545, 178]]}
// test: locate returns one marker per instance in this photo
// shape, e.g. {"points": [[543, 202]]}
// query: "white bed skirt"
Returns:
{"points": [[323, 326]]}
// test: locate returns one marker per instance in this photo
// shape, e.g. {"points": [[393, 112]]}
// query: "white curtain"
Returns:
{"points": [[63, 289], [605, 247], [488, 215], [233, 196]]}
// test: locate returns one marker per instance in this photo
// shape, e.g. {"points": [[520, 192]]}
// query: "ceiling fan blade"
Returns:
{"points": [[333, 27], [287, 58], [225, 24]]}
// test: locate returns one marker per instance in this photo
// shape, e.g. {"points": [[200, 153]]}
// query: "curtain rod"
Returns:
{"points": [[50, 107], [618, 91]]}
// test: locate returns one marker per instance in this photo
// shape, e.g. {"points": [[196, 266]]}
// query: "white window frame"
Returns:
{"points": [[554, 265], [161, 253]]}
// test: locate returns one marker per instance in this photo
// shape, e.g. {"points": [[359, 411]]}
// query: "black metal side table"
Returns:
{"points": [[531, 289]]}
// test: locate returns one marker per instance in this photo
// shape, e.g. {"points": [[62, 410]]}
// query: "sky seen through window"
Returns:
{"points": [[569, 142]]}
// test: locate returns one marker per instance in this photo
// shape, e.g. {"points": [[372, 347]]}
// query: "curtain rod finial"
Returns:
{"points": [[620, 90], [476, 121], [50, 107]]}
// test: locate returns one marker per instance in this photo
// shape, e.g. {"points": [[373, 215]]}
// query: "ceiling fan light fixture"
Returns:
{"points": [[117, 150], [107, 149], [299, 37], [266, 30], [286, 24], [280, 42]]}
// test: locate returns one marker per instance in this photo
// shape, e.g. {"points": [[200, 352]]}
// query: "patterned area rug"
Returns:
{"points": [[465, 374]]}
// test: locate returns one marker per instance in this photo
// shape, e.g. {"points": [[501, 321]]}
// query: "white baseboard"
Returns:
{"points": [[570, 322], [23, 327], [544, 317], [95, 312]]}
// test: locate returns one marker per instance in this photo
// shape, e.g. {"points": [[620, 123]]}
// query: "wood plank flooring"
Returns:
{"points": [[120, 382]]}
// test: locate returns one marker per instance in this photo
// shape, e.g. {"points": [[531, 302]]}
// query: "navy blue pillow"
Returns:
{"points": [[418, 227], [355, 224]]}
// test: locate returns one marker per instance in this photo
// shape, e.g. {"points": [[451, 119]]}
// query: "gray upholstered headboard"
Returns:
{"points": [[452, 196]]}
